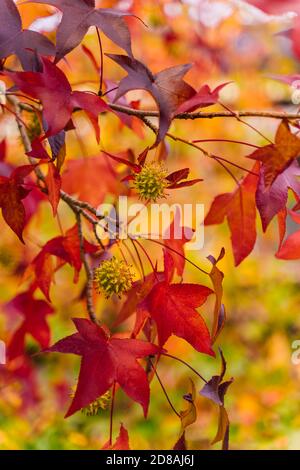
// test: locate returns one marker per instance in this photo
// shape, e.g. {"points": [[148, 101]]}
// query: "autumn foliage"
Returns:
{"points": [[159, 102]]}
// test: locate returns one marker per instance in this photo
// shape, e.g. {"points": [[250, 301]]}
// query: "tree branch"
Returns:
{"points": [[77, 206], [70, 200], [208, 115], [197, 147]]}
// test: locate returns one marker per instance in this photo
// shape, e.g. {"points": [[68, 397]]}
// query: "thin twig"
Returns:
{"points": [[75, 205], [207, 115], [88, 270], [186, 364], [192, 144], [240, 142], [178, 254], [237, 116]]}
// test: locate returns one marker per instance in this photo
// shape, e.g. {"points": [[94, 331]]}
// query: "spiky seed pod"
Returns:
{"points": [[34, 128], [96, 406], [113, 276], [151, 182], [93, 408]]}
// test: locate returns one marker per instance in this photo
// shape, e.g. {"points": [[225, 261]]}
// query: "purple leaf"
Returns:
{"points": [[79, 15], [167, 87], [270, 201], [23, 43]]}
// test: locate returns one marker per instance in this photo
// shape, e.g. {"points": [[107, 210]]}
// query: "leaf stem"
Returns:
{"points": [[237, 116], [179, 254], [226, 140], [192, 144], [185, 363], [146, 254], [163, 389], [139, 258], [101, 61]]}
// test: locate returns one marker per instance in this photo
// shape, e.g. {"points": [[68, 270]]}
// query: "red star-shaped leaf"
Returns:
{"points": [[67, 250], [12, 192], [105, 361], [34, 312], [51, 86], [173, 308]]}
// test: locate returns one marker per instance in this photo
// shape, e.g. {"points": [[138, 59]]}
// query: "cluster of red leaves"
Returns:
{"points": [[51, 86], [66, 249], [265, 188], [44, 81]]}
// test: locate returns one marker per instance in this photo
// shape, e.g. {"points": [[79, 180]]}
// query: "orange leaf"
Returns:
{"points": [[90, 178], [240, 209], [277, 157], [53, 183]]}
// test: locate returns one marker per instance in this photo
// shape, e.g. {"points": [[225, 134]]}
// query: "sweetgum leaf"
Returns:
{"points": [[12, 192], [240, 209], [105, 361], [167, 87], [277, 157], [79, 15], [173, 308], [51, 86], [15, 40], [34, 313], [273, 199]]}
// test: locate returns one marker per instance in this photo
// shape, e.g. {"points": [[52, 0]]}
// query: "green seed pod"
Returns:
{"points": [[151, 182], [113, 277], [34, 128]]}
